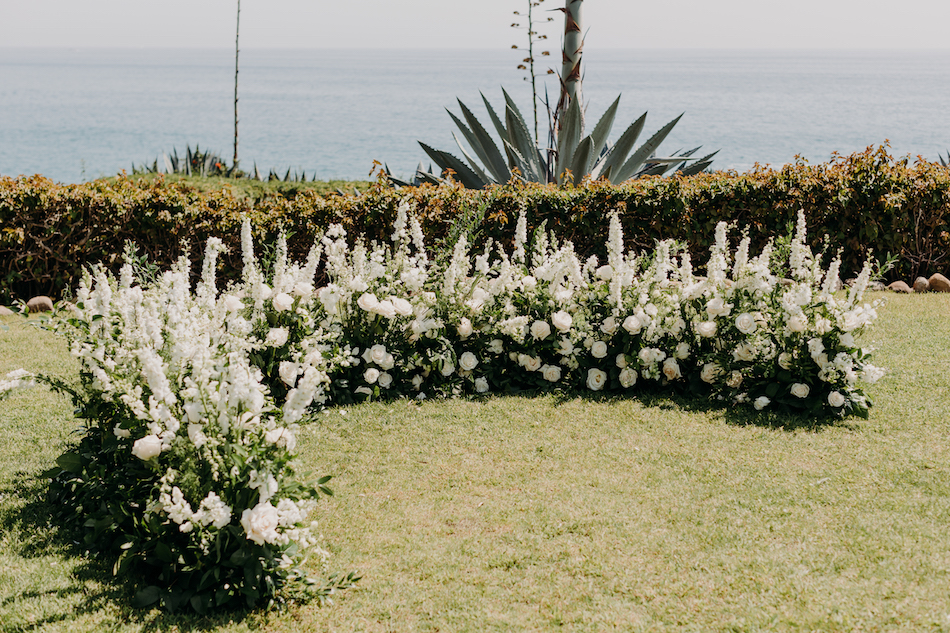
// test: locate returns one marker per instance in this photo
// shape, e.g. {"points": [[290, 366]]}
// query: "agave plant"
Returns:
{"points": [[194, 163], [945, 163], [570, 157]]}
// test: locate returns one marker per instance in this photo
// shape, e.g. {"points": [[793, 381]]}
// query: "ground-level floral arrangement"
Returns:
{"points": [[192, 396]]}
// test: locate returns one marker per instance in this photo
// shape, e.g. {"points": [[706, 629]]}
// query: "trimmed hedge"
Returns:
{"points": [[865, 201]]}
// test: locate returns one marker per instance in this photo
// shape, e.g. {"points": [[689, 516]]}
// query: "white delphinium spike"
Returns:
{"points": [[741, 259], [481, 261], [831, 280], [281, 281], [518, 255], [400, 236], [800, 256], [126, 276], [541, 247], [860, 285], [458, 268], [615, 241], [686, 268], [247, 249], [662, 263], [418, 241], [716, 268], [335, 247], [16, 379], [313, 261], [207, 292]]}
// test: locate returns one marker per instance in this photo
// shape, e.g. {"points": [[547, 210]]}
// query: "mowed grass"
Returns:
{"points": [[547, 513]]}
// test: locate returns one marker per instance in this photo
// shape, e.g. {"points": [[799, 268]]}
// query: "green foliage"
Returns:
{"points": [[212, 164], [862, 202]]}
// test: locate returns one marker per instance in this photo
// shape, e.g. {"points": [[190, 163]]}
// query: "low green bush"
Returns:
{"points": [[868, 201]]}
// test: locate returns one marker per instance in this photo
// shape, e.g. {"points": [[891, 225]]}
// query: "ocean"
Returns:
{"points": [[74, 115]]}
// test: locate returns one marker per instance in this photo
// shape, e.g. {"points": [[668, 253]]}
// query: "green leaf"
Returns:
{"points": [[639, 157], [145, 597], [70, 462]]}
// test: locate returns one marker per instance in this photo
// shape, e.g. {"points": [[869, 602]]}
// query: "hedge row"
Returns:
{"points": [[865, 201]]}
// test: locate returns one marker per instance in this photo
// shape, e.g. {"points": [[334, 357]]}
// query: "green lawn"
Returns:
{"points": [[546, 514]]}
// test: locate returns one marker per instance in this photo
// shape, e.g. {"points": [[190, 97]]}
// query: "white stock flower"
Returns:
{"points": [[283, 301], [745, 323], [836, 399], [760, 403], [871, 374], [540, 330], [197, 435], [147, 447], [596, 379], [468, 361], [598, 349], [303, 289], [800, 390], [718, 307], [628, 377], [497, 346], [605, 272], [260, 523], [232, 303], [797, 323], [562, 321], [529, 283], [551, 373]]}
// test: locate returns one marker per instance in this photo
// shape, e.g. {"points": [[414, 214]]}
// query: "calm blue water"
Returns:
{"points": [[74, 115]]}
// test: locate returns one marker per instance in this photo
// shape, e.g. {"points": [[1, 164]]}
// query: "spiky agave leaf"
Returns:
{"points": [[484, 146], [640, 156]]}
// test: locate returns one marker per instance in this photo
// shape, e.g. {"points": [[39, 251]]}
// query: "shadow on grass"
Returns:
{"points": [[738, 415], [91, 588]]}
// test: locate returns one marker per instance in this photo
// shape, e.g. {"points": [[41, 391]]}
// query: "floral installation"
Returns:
{"points": [[193, 396]]}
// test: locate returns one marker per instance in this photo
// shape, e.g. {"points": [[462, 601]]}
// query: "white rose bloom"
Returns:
{"points": [[551, 373], [734, 379], [465, 328], [147, 447], [682, 351], [375, 354], [481, 385], [529, 283], [265, 291], [760, 403], [628, 377], [540, 330], [849, 321], [565, 347], [605, 272], [276, 337], [744, 352], [710, 372], [448, 369], [836, 399], [282, 437], [385, 380], [386, 309], [671, 369], [717, 307], [800, 390], [388, 362], [632, 324], [303, 289], [706, 329], [260, 524], [609, 326], [371, 375], [497, 346], [283, 301], [745, 323], [797, 323], [402, 306], [531, 363], [232, 303], [598, 349], [468, 361], [785, 360], [367, 301], [847, 340], [596, 379], [621, 360], [288, 372], [562, 321]]}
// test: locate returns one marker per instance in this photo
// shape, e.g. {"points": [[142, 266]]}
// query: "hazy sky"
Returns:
{"points": [[473, 24]]}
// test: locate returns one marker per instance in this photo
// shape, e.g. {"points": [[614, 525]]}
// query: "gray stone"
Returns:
{"points": [[921, 284], [5, 311], [939, 283], [40, 304], [899, 286]]}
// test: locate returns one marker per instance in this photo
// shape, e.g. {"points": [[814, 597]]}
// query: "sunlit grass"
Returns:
{"points": [[569, 513]]}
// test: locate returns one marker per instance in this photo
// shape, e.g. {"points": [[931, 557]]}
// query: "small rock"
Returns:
{"points": [[939, 283], [899, 286], [921, 284], [876, 286], [5, 311], [40, 304]]}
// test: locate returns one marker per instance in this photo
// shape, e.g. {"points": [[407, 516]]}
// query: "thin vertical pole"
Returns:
{"points": [[237, 50]]}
